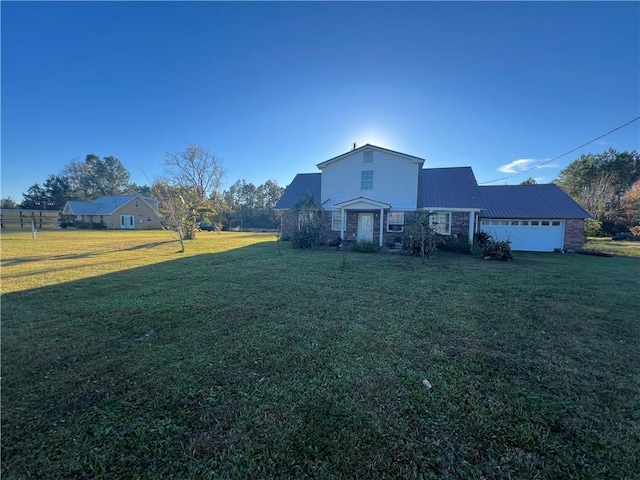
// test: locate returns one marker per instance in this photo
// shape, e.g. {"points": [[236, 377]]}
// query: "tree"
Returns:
{"points": [[631, 204], [34, 198], [196, 175], [598, 183], [57, 191], [622, 168], [529, 181], [176, 213], [599, 198], [8, 202], [96, 177]]}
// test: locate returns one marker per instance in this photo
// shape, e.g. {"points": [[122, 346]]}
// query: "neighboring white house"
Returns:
{"points": [[117, 212], [370, 192]]}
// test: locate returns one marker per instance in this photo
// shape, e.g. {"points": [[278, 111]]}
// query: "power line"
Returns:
{"points": [[564, 154]]}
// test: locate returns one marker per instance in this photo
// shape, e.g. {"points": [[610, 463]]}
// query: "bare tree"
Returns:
{"points": [[197, 175], [599, 197], [174, 210]]}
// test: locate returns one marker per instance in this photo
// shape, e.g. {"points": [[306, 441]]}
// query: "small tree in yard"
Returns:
{"points": [[308, 234], [174, 210], [191, 185], [419, 238]]}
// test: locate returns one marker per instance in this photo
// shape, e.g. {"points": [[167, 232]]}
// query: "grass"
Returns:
{"points": [[122, 359], [615, 247]]}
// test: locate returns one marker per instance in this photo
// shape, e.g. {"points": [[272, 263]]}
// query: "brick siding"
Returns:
{"points": [[574, 234]]}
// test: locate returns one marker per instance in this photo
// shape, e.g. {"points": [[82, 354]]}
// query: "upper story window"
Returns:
{"points": [[367, 156], [137, 204], [366, 180], [441, 222]]}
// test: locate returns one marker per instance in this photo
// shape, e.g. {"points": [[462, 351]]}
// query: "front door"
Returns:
{"points": [[365, 227], [126, 221]]}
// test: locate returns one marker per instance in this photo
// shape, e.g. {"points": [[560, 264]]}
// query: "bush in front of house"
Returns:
{"points": [[458, 244], [364, 246], [307, 236], [593, 228], [491, 248], [419, 238], [83, 225]]}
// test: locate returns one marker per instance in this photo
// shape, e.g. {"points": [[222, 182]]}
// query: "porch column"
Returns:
{"points": [[343, 223], [472, 229], [381, 225]]}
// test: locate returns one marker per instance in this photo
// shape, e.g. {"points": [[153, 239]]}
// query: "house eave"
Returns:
{"points": [[411, 158], [369, 204]]}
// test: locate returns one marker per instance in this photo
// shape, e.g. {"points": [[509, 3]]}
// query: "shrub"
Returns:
{"points": [[307, 236], [83, 225], [497, 249], [419, 238], [593, 228], [364, 246], [99, 226], [65, 224], [457, 243]]}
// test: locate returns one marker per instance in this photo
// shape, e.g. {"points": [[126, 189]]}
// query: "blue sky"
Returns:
{"points": [[275, 88]]}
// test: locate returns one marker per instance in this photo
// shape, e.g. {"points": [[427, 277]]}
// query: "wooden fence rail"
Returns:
{"points": [[14, 218]]}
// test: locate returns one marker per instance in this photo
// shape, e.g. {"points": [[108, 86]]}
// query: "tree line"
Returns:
{"points": [[607, 185], [192, 178]]}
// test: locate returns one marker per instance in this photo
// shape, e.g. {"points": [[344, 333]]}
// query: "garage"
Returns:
{"points": [[540, 235]]}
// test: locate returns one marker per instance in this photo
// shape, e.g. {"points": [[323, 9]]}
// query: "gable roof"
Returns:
{"points": [[529, 201], [301, 184], [453, 187], [105, 205], [368, 146]]}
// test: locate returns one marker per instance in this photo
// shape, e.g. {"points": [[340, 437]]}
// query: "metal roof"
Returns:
{"points": [[302, 183], [529, 201], [105, 205], [454, 187]]}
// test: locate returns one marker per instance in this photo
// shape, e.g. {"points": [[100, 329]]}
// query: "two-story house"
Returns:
{"points": [[370, 193]]}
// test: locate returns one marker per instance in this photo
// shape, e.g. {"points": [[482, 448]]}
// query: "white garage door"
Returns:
{"points": [[532, 235]]}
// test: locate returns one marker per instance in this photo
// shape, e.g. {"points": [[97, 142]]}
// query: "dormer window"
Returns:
{"points": [[366, 180]]}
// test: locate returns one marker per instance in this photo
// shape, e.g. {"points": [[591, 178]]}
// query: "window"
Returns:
{"points": [[545, 223], [336, 220], [504, 222], [441, 222], [366, 180], [307, 216], [395, 221], [149, 218], [524, 222], [137, 204], [514, 222], [555, 223], [535, 223], [367, 156]]}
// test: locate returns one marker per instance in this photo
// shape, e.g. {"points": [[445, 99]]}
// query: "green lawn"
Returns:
{"points": [[123, 359], [615, 247]]}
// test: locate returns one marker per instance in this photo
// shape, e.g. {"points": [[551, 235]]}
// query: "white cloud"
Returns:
{"points": [[516, 166], [522, 164]]}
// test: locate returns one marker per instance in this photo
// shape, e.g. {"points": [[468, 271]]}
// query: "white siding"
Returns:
{"points": [[395, 180]]}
